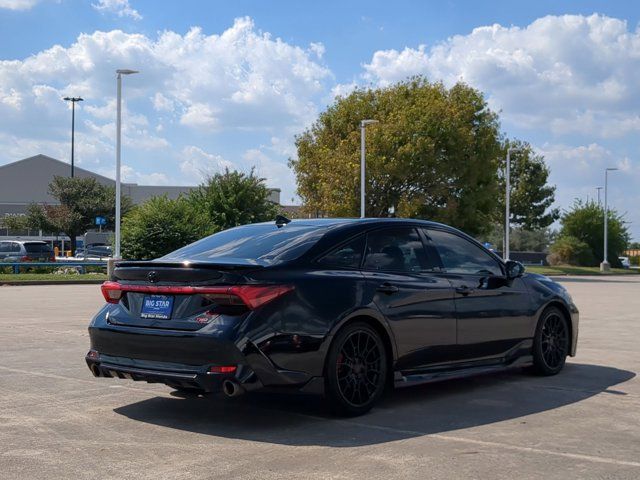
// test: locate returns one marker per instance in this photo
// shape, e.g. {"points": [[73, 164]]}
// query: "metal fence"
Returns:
{"points": [[81, 266]]}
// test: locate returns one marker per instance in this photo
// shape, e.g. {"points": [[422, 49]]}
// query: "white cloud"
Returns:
{"points": [[130, 175], [241, 79], [567, 74], [162, 103], [196, 164], [18, 4], [199, 115], [276, 173], [121, 8], [317, 48], [343, 89]]}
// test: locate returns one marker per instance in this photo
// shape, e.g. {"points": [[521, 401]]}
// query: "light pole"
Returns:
{"points": [[507, 216], [118, 145], [605, 266], [363, 126], [598, 189], [73, 101]]}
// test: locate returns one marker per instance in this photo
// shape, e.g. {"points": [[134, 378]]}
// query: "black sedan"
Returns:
{"points": [[339, 307]]}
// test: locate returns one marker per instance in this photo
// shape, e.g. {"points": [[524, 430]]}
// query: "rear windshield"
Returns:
{"points": [[258, 244], [37, 248]]}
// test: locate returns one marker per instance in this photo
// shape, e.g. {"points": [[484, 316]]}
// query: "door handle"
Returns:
{"points": [[464, 290], [388, 288]]}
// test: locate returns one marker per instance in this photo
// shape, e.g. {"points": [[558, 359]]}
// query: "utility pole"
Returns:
{"points": [[605, 266], [118, 148], [598, 189], [363, 126], [507, 215], [73, 101]]}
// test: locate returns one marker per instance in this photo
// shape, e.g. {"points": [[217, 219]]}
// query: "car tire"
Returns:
{"points": [[551, 342], [356, 370]]}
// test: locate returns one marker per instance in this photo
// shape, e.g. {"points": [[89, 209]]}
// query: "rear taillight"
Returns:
{"points": [[223, 369], [24, 259], [111, 291], [52, 259], [252, 296]]}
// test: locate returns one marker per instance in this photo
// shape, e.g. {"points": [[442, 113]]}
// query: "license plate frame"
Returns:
{"points": [[157, 307]]}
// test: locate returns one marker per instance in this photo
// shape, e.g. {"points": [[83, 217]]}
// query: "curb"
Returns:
{"points": [[50, 282]]}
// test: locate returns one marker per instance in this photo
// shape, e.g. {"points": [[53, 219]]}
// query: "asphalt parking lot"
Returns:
{"points": [[57, 421]]}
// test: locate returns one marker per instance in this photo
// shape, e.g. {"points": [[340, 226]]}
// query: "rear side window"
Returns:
{"points": [[15, 248], [397, 249], [37, 248], [346, 256], [258, 244], [459, 255]]}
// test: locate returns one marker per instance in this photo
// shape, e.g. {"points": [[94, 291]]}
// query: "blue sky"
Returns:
{"points": [[231, 83]]}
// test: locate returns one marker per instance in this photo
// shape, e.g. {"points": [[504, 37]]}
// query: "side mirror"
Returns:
{"points": [[514, 269]]}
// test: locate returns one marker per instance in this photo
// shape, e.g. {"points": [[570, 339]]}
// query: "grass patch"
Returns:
{"points": [[49, 277], [571, 270]]}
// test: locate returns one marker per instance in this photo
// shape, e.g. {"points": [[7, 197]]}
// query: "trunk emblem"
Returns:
{"points": [[152, 277]]}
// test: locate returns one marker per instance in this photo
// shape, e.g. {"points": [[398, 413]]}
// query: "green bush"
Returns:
{"points": [[225, 200], [569, 250], [233, 198], [585, 222], [159, 226]]}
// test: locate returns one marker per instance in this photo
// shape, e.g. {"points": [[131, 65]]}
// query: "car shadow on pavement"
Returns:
{"points": [[404, 413]]}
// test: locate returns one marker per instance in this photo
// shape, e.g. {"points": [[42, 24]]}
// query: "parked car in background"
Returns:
{"points": [[339, 307], [25, 251], [94, 252], [626, 263]]}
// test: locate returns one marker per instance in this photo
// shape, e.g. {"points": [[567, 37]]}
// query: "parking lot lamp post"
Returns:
{"points": [[363, 126], [605, 266], [73, 101], [118, 146], [598, 189], [507, 216]]}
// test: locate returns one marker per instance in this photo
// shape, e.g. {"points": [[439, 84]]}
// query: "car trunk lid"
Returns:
{"points": [[177, 296]]}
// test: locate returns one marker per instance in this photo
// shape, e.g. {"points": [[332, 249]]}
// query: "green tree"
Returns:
{"points": [[80, 201], [585, 222], [233, 198], [520, 239], [531, 196], [159, 226], [433, 155], [569, 250]]}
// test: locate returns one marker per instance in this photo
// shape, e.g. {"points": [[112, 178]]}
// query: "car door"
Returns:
{"points": [[494, 317], [15, 252], [418, 305]]}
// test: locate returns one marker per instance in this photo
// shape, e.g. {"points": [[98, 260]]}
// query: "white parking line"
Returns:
{"points": [[413, 433]]}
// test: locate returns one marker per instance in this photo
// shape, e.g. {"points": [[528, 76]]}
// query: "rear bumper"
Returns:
{"points": [[176, 376], [183, 359]]}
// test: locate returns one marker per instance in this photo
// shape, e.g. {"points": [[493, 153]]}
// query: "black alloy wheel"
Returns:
{"points": [[356, 369], [551, 343]]}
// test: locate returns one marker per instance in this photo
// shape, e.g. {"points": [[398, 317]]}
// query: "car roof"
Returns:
{"points": [[24, 241], [330, 222]]}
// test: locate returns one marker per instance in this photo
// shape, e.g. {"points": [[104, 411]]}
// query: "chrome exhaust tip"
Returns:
{"points": [[232, 389]]}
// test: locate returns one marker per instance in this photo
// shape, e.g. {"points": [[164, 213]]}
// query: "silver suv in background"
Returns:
{"points": [[25, 251]]}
